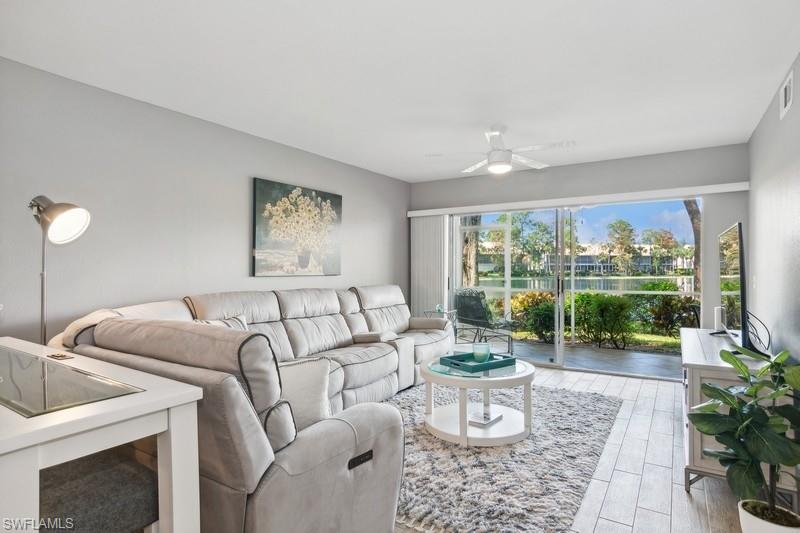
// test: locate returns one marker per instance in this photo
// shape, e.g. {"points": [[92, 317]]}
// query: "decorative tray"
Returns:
{"points": [[466, 362]]}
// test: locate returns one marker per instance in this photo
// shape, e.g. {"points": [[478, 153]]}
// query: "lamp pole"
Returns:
{"points": [[61, 223], [43, 279]]}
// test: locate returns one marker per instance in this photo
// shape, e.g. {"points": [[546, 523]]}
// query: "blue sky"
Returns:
{"points": [[671, 215], [592, 222]]}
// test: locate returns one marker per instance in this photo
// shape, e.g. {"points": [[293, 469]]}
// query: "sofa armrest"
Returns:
{"points": [[352, 462], [405, 361], [374, 336], [417, 322]]}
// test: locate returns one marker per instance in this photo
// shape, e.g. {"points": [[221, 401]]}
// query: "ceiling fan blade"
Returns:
{"points": [[546, 146], [538, 165], [475, 167], [495, 140]]}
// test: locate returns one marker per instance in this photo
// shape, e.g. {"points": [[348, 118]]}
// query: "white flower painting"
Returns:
{"points": [[295, 230]]}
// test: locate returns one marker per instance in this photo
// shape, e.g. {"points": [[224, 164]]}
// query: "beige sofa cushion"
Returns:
{"points": [[259, 308], [312, 320], [375, 296], [235, 322], [256, 306], [305, 386], [363, 364], [351, 310], [309, 336], [304, 303], [384, 307], [394, 318]]}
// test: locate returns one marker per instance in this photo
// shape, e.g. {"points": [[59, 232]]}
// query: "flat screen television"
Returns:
{"points": [[733, 285]]}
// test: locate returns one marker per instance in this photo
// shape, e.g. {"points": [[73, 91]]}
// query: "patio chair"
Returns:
{"points": [[475, 318]]}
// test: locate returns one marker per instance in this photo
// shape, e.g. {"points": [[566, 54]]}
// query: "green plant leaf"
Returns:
{"points": [[745, 479], [755, 412], [764, 370], [752, 355], [770, 447], [730, 441], [737, 389], [777, 393], [736, 363], [726, 455], [781, 357], [777, 424], [710, 406], [718, 393], [789, 412], [792, 376], [713, 423]]}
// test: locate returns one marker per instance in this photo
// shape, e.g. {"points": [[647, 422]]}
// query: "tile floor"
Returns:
{"points": [[638, 484]]}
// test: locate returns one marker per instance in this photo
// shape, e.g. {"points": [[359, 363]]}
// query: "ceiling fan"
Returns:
{"points": [[500, 159]]}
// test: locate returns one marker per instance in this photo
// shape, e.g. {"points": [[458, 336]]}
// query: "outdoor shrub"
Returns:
{"points": [[496, 306], [522, 302], [529, 314], [541, 320], [663, 314], [670, 313], [603, 319]]}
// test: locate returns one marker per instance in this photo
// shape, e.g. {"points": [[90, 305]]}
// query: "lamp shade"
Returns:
{"points": [[61, 222]]}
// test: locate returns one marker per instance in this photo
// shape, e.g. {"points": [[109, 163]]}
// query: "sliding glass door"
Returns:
{"points": [[604, 288], [508, 281]]}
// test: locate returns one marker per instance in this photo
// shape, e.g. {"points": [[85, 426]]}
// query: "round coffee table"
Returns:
{"points": [[478, 424]]}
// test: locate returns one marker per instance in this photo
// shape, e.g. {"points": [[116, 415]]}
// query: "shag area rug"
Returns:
{"points": [[533, 485]]}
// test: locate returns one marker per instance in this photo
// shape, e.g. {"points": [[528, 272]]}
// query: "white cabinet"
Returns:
{"points": [[701, 364]]}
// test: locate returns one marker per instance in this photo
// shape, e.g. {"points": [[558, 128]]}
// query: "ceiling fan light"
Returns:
{"points": [[499, 161], [499, 168]]}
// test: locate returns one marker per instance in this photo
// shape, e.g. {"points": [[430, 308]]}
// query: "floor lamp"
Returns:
{"points": [[61, 224]]}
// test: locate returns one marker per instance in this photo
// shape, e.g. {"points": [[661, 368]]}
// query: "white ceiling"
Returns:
{"points": [[383, 84]]}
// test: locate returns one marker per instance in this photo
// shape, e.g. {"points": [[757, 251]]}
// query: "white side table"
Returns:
{"points": [[164, 408], [450, 422]]}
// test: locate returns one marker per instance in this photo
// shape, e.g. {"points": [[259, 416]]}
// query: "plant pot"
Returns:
{"points": [[750, 523]]}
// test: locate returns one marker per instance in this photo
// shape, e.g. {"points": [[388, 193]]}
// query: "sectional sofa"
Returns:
{"points": [[374, 346], [287, 420]]}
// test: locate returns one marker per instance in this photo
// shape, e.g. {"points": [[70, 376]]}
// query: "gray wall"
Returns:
{"points": [[708, 166], [774, 243], [170, 198]]}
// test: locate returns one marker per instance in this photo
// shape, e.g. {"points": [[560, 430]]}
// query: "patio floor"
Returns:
{"points": [[626, 362]]}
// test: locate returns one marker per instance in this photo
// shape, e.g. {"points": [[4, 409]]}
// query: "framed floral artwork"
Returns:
{"points": [[296, 230]]}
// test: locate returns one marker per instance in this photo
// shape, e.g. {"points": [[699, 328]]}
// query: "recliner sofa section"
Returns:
{"points": [[258, 459], [374, 346], [384, 308]]}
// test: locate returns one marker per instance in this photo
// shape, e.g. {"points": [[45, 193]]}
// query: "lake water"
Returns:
{"points": [[685, 283]]}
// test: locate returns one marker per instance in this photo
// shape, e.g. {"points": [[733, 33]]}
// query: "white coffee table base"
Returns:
{"points": [[451, 422]]}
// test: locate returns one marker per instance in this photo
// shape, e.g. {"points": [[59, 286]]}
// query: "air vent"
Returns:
{"points": [[785, 94]]}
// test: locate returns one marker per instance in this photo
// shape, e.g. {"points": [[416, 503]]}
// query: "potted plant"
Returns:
{"points": [[752, 422]]}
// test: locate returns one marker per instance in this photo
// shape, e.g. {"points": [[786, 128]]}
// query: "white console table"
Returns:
{"points": [[701, 364], [163, 407]]}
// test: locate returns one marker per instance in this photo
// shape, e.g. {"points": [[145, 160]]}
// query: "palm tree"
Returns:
{"points": [[693, 210], [469, 261]]}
